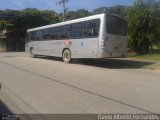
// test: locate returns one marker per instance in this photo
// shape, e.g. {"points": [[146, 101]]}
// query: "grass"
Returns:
{"points": [[155, 55]]}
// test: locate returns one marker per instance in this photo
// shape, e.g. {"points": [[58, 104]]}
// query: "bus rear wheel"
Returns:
{"points": [[67, 56], [33, 55]]}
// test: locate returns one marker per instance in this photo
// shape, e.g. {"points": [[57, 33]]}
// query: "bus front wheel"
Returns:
{"points": [[33, 55], [67, 56]]}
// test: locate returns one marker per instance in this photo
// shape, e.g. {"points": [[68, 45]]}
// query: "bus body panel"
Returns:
{"points": [[80, 48], [85, 48], [114, 45], [104, 46]]}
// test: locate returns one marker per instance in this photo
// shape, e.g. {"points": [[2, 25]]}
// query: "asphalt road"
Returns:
{"points": [[46, 85]]}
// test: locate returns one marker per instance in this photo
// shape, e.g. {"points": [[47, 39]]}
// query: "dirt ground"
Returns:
{"points": [[146, 64]]}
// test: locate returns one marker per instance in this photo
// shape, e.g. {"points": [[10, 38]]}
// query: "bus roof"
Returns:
{"points": [[67, 22]]}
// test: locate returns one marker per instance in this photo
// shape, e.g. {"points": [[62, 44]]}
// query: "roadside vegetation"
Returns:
{"points": [[154, 55], [148, 57], [143, 24]]}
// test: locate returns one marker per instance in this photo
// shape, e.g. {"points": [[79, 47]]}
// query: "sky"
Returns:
{"points": [[51, 4]]}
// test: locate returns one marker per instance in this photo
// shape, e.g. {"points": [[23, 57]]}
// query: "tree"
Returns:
{"points": [[118, 9], [21, 20], [141, 26], [99, 10], [77, 14], [157, 21], [5, 24]]}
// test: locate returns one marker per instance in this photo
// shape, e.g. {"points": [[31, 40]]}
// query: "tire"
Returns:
{"points": [[33, 55], [67, 56]]}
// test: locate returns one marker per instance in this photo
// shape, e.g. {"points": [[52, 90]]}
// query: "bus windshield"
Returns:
{"points": [[116, 25]]}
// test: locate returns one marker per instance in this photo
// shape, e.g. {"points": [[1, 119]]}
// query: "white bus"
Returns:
{"points": [[97, 36]]}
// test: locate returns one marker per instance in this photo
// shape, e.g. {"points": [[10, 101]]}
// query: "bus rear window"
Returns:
{"points": [[116, 25]]}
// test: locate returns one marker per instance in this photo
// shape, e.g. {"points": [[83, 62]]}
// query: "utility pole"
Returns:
{"points": [[62, 3]]}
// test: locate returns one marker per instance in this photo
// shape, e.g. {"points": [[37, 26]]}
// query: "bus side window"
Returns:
{"points": [[64, 35], [91, 28], [47, 34], [65, 28], [32, 38], [76, 30], [64, 32], [76, 34], [55, 33], [40, 35]]}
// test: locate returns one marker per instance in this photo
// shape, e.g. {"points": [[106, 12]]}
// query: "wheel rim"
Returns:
{"points": [[32, 53], [66, 56]]}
